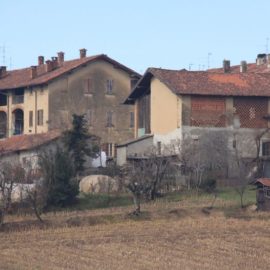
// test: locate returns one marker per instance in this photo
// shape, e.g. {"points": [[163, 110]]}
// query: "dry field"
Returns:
{"points": [[169, 236]]}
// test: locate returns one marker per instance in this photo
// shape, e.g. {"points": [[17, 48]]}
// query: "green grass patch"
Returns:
{"points": [[97, 201], [230, 194]]}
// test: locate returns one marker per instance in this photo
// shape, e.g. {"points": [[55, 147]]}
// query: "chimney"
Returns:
{"points": [[49, 65], [54, 62], [61, 58], [261, 59], [33, 72], [41, 60], [3, 71], [82, 53], [243, 66], [226, 66]]}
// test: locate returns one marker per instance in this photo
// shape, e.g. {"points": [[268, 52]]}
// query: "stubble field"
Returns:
{"points": [[172, 235]]}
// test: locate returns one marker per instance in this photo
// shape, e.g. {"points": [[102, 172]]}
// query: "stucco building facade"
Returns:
{"points": [[172, 104], [43, 98]]}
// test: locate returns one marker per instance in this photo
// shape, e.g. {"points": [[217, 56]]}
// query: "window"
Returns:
{"points": [[110, 149], [131, 124], [109, 119], [3, 99], [40, 117], [266, 191], [109, 87], [133, 82], [89, 117], [266, 148], [159, 148], [30, 118], [18, 96], [88, 86]]}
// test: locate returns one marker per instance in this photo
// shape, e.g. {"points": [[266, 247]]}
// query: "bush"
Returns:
{"points": [[209, 185], [58, 175]]}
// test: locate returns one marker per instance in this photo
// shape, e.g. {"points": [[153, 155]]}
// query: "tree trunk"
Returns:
{"points": [[137, 203]]}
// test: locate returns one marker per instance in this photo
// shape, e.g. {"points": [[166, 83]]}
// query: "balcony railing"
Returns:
{"points": [[17, 99]]}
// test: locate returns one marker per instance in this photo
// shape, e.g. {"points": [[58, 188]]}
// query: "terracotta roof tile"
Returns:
{"points": [[209, 83], [263, 181], [21, 77], [27, 142]]}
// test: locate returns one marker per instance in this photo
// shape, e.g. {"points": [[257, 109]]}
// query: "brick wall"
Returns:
{"points": [[208, 111], [250, 111]]}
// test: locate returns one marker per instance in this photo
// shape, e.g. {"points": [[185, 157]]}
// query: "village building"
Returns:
{"points": [[43, 98], [25, 149], [171, 104]]}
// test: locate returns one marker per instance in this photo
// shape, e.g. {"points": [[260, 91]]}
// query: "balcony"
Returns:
{"points": [[17, 99]]}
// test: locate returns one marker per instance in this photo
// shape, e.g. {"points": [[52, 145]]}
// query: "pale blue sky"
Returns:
{"points": [[169, 34]]}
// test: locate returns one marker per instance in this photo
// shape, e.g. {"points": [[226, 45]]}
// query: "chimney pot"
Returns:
{"points": [[33, 72], [49, 66], [226, 66], [82, 53], [243, 66], [61, 58], [41, 60]]}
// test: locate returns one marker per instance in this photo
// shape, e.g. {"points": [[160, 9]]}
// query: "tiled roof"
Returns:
{"points": [[21, 77], [209, 83], [26, 142], [263, 181], [252, 67], [204, 83]]}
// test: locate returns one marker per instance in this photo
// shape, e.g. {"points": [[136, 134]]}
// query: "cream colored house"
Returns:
{"points": [[44, 97], [170, 104]]}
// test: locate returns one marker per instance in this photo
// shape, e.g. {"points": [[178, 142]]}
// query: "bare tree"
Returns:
{"points": [[10, 174], [201, 154], [146, 177]]}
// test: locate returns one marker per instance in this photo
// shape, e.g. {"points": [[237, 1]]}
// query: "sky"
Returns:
{"points": [[172, 34]]}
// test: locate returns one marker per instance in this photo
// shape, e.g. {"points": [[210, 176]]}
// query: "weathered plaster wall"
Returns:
{"points": [[67, 96], [166, 109]]}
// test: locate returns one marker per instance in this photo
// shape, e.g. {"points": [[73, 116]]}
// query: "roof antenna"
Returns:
{"points": [[3, 48], [208, 59], [189, 66], [266, 45]]}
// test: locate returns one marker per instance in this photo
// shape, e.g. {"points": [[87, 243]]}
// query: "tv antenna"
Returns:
{"points": [[208, 59], [190, 66], [266, 45], [3, 51]]}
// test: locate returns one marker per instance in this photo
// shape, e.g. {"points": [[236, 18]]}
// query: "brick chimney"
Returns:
{"points": [[82, 53], [41, 60], [3, 71], [243, 66], [226, 66], [49, 66], [61, 58], [54, 62], [33, 72]]}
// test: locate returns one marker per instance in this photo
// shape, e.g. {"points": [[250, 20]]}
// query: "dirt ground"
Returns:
{"points": [[170, 236]]}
